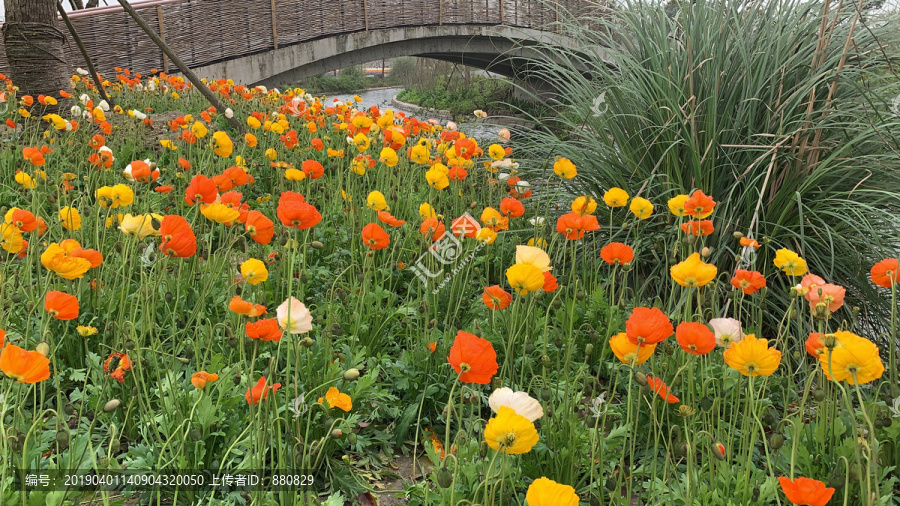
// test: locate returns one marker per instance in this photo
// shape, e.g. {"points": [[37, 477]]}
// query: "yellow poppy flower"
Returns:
{"points": [[693, 272], [752, 356], [510, 432], [254, 271]]}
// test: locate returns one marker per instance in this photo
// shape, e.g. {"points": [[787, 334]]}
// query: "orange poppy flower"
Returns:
{"points": [[61, 305], [184, 164], [242, 307], [616, 253], [698, 227], [699, 205], [550, 282], [142, 173], [200, 189], [884, 273], [200, 379], [312, 169], [23, 220], [260, 391], [511, 207], [260, 227], [457, 173], [814, 345], [178, 240], [295, 212], [317, 144], [115, 365], [805, 491], [97, 142], [493, 220], [434, 228], [264, 330], [105, 127], [166, 188], [432, 347], [573, 225], [648, 326], [695, 338], [831, 295], [336, 399], [22, 365], [388, 219], [473, 358], [33, 155], [375, 237], [660, 388], [495, 297], [749, 243], [748, 281]]}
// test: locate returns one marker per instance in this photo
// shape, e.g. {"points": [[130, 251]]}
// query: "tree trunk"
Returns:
{"points": [[34, 47]]}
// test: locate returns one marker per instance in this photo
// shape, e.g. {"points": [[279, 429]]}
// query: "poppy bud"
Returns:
{"points": [[691, 239], [797, 355], [236, 379], [433, 323], [545, 361], [768, 419], [423, 307], [444, 477], [169, 297], [819, 395], [307, 342], [351, 374], [706, 403], [627, 267], [877, 423], [496, 382], [854, 472], [473, 204], [476, 329], [482, 449], [16, 297], [538, 295], [558, 342], [836, 479], [737, 235], [114, 445], [683, 447], [546, 394], [43, 348], [336, 433], [588, 349], [51, 198], [580, 295], [69, 408], [183, 360], [718, 449], [705, 252], [588, 388], [196, 434], [111, 406], [62, 436], [595, 335], [830, 341], [155, 223], [232, 342], [529, 348], [304, 278], [886, 421], [776, 441], [556, 304], [640, 378], [317, 245]]}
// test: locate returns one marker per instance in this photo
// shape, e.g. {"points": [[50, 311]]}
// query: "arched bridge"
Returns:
{"points": [[281, 41]]}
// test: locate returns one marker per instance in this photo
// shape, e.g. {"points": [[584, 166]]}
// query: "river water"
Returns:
{"points": [[478, 128]]}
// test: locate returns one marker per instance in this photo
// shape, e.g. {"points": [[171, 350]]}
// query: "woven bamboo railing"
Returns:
{"points": [[203, 32]]}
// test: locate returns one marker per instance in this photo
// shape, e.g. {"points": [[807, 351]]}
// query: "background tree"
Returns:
{"points": [[34, 47]]}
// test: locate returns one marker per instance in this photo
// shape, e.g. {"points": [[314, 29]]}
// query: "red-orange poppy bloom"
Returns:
{"points": [[473, 358], [61, 305], [550, 282], [22, 365], [375, 237], [495, 297], [264, 330], [166, 188], [184, 164], [33, 155], [242, 307], [115, 365], [200, 189], [260, 227], [698, 227], [616, 253], [97, 142], [574, 225], [434, 228], [512, 207], [699, 205], [805, 491], [457, 173], [432, 347], [814, 345], [660, 388], [23, 220], [886, 272], [748, 281], [648, 326], [695, 338], [200, 379], [178, 240], [388, 219], [260, 391], [749, 243], [312, 169], [295, 212]]}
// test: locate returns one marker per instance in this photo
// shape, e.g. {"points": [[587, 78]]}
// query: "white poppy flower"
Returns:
{"points": [[294, 317], [727, 331], [520, 402]]}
